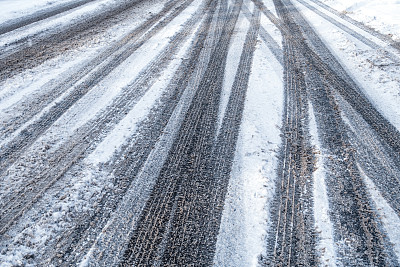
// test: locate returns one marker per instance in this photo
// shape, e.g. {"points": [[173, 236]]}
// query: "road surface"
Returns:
{"points": [[197, 133]]}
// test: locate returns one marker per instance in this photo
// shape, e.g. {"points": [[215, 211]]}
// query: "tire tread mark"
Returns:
{"points": [[11, 151], [353, 216], [39, 102], [129, 161], [360, 25], [291, 239], [211, 185], [186, 163], [84, 136], [326, 63], [14, 24]]}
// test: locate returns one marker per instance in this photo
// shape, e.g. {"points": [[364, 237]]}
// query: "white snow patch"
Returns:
{"points": [[390, 220], [323, 224], [244, 223]]}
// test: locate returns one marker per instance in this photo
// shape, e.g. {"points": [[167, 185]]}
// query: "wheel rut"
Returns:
{"points": [[85, 138], [358, 230], [291, 238], [126, 165], [27, 135], [12, 25], [184, 186], [34, 50]]}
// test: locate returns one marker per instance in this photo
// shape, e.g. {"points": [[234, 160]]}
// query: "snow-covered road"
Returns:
{"points": [[197, 133]]}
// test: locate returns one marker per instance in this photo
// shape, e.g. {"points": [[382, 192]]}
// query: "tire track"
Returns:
{"points": [[92, 72], [183, 174], [351, 32], [14, 24], [291, 239], [11, 151], [372, 155], [341, 26], [87, 136], [208, 217], [127, 165], [126, 168], [358, 230], [360, 25], [55, 42], [327, 64], [272, 45]]}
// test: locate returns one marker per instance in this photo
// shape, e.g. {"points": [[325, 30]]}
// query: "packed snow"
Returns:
{"points": [[245, 218]]}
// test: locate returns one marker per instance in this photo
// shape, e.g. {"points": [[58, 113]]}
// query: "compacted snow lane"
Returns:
{"points": [[196, 132]]}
